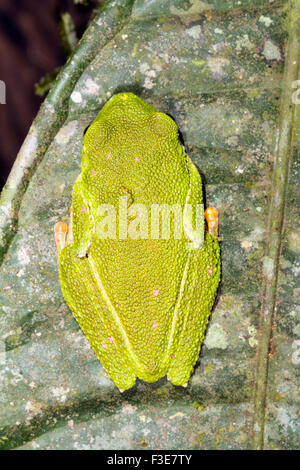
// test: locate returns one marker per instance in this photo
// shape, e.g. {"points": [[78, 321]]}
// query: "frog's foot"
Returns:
{"points": [[63, 233], [212, 218], [179, 376], [60, 235]]}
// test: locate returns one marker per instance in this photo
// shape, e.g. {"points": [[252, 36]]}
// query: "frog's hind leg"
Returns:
{"points": [[194, 309], [89, 309]]}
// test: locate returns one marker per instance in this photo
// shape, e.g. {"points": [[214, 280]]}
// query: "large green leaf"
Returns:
{"points": [[227, 72]]}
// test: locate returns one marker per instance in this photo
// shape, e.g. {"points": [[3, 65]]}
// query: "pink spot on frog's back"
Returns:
{"points": [[108, 155], [137, 159], [210, 271], [155, 292], [93, 172], [84, 209], [103, 345], [154, 325], [110, 339]]}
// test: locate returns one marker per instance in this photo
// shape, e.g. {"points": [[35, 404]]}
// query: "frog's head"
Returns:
{"points": [[126, 119], [125, 109], [129, 142]]}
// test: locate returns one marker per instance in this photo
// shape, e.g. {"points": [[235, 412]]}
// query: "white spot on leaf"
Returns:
{"points": [[265, 20], [216, 337], [76, 97], [91, 87], [65, 133], [271, 51], [60, 393]]}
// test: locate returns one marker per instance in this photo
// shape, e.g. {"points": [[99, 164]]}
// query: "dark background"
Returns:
{"points": [[30, 47]]}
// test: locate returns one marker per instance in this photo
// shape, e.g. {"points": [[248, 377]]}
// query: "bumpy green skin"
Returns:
{"points": [[143, 304]]}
